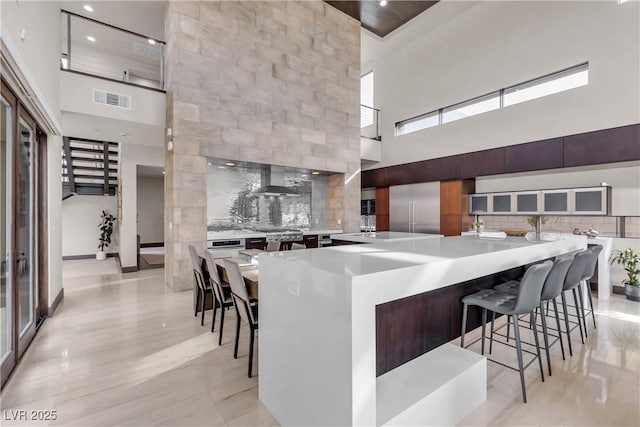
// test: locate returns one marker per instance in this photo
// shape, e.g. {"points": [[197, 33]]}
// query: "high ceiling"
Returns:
{"points": [[381, 20]]}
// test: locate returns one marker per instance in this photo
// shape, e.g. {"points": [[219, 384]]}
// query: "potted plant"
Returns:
{"points": [[479, 225], [105, 226], [629, 261]]}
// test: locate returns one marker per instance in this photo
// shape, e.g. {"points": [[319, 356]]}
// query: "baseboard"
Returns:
{"points": [[56, 302], [618, 290], [90, 256], [129, 269], [152, 245]]}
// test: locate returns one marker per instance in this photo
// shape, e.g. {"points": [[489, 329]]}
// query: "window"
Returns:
{"points": [[560, 81], [366, 100], [548, 85], [471, 108], [418, 123]]}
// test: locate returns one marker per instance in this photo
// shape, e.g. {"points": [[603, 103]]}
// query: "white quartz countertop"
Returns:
{"points": [[358, 260], [383, 236]]}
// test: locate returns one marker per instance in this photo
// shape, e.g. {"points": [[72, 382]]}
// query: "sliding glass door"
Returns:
{"points": [[6, 233], [26, 231]]}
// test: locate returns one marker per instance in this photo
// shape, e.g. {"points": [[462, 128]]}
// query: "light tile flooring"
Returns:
{"points": [[126, 350]]}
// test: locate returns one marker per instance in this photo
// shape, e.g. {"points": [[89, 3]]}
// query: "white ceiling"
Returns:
{"points": [[106, 129], [143, 17]]}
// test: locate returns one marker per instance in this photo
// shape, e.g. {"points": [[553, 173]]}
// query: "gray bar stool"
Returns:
{"points": [[527, 299], [571, 283], [551, 289], [590, 268]]}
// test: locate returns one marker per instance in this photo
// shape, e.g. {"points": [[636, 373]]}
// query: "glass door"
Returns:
{"points": [[25, 232], [7, 348]]}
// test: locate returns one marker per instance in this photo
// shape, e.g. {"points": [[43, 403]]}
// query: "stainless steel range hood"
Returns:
{"points": [[272, 180]]}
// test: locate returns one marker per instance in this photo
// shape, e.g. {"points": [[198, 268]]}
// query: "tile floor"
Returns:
{"points": [[126, 350]]}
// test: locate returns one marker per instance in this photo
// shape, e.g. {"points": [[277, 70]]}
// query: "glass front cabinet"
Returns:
{"points": [[565, 201]]}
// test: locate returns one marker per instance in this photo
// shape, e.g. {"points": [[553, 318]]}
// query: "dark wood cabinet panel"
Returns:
{"points": [[380, 177], [409, 327], [450, 197], [399, 174], [481, 163], [255, 243], [382, 201], [450, 224], [382, 222], [605, 146], [367, 178], [539, 155], [310, 241], [439, 169]]}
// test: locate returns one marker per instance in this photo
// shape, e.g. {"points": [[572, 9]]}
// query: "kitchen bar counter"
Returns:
{"points": [[319, 356]]}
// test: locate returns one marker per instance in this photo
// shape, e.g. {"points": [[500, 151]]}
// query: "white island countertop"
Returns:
{"points": [[318, 357], [383, 236]]}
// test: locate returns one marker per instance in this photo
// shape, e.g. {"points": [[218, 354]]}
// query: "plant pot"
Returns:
{"points": [[101, 255], [632, 292]]}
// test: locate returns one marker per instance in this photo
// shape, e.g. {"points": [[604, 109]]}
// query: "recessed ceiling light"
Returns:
{"points": [[91, 38], [162, 172], [222, 167], [88, 8], [151, 41], [383, 3], [210, 164], [230, 164], [315, 173]]}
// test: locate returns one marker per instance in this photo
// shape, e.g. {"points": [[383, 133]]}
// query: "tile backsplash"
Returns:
{"points": [[607, 226]]}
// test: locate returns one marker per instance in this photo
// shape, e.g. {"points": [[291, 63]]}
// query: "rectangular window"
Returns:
{"points": [[418, 123], [548, 85], [471, 108]]}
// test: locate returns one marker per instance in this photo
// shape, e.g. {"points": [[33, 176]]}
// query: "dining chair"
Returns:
{"points": [[202, 289], [273, 246], [296, 246], [246, 311], [221, 291]]}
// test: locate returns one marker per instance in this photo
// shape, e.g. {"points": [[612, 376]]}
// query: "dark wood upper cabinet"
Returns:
{"points": [[380, 177], [481, 163], [604, 146], [439, 169], [367, 178], [546, 154], [399, 174]]}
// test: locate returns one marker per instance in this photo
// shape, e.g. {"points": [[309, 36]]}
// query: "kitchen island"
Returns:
{"points": [[325, 315], [379, 237]]}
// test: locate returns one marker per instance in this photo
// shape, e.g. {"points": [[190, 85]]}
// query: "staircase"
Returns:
{"points": [[89, 167]]}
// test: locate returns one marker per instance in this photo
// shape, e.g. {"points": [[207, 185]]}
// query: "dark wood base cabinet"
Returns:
{"points": [[409, 327], [256, 243]]}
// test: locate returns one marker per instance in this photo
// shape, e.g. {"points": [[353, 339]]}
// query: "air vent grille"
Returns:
{"points": [[110, 98]]}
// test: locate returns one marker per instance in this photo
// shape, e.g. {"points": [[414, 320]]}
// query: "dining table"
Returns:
{"points": [[248, 270]]}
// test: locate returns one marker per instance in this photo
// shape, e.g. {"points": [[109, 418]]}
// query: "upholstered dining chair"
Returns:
{"points": [[246, 310], [202, 288], [221, 291]]}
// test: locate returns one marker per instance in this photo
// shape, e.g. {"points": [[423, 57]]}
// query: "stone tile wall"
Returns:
{"points": [[265, 82]]}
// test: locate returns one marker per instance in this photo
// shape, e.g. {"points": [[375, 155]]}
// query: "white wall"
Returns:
{"points": [[442, 58], [38, 55], [80, 218], [624, 179], [54, 205], [150, 209], [147, 106], [132, 155]]}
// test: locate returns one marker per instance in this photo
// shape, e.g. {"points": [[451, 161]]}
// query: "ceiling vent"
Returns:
{"points": [[110, 98]]}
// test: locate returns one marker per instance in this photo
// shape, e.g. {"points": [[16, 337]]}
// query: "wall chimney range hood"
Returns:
{"points": [[272, 179]]}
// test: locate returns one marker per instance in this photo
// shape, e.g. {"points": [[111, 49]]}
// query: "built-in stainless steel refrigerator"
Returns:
{"points": [[415, 208]]}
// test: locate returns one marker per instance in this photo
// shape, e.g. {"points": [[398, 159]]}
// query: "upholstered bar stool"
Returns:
{"points": [[526, 300], [571, 283], [550, 291], [590, 268]]}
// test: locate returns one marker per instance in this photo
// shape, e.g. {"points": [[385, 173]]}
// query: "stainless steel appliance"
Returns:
{"points": [[324, 240], [226, 243], [415, 208]]}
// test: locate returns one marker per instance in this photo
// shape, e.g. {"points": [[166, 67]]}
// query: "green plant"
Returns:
{"points": [[478, 224], [531, 220], [106, 230], [629, 261]]}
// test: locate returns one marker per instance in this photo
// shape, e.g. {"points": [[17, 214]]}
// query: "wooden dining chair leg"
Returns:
{"points": [[251, 350], [195, 313], [222, 310], [235, 349]]}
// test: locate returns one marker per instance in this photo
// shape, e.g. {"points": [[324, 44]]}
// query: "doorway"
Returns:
{"points": [[21, 248]]}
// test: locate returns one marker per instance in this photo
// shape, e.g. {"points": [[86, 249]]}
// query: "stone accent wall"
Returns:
{"points": [[265, 82]]}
